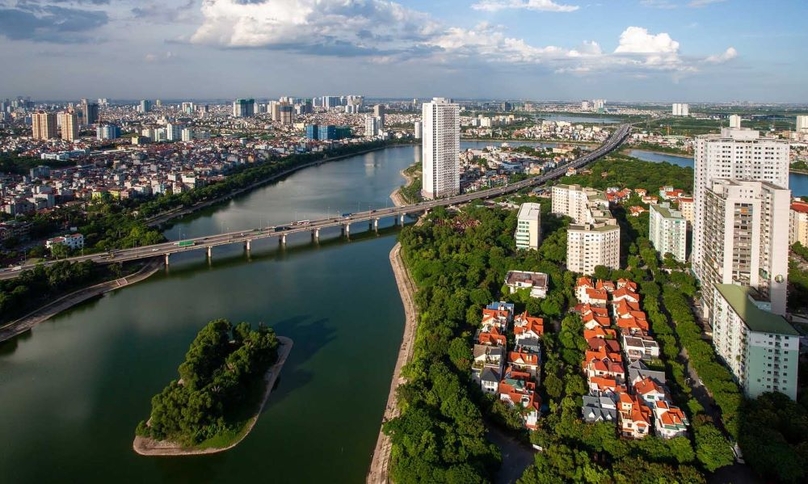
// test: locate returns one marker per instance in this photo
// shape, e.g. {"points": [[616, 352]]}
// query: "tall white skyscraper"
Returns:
{"points": [[745, 239], [737, 154], [441, 148]]}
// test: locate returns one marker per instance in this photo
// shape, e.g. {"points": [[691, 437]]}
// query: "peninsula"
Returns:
{"points": [[225, 381]]}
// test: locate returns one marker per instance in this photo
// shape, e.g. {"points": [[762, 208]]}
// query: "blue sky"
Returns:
{"points": [[620, 50]]}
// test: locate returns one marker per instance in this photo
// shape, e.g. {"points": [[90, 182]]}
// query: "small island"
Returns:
{"points": [[225, 381]]}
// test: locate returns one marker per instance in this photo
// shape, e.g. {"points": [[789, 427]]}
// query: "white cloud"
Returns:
{"points": [[703, 3], [385, 32], [728, 55], [336, 26], [637, 40], [658, 4], [542, 5]]}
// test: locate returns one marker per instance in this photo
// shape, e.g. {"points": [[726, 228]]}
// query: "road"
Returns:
{"points": [[247, 236]]}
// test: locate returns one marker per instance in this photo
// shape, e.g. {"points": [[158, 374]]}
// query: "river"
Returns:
{"points": [[797, 182], [73, 389]]}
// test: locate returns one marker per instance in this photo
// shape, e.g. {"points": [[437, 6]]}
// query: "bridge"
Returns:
{"points": [[371, 217]]}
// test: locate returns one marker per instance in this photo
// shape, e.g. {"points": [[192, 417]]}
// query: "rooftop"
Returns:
{"points": [[754, 317], [529, 211]]}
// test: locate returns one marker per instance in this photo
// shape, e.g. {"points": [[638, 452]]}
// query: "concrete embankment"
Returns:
{"points": [[151, 447], [379, 466], [53, 308]]}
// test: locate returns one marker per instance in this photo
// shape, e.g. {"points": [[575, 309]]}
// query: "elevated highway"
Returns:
{"points": [[371, 217]]}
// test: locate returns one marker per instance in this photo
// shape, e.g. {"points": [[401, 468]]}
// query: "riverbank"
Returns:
{"points": [[534, 141], [626, 151], [182, 211], [15, 328], [150, 447], [379, 465], [396, 196]]}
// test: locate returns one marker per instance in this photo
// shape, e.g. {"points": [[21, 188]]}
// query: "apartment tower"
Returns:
{"points": [[441, 148], [734, 154], [70, 126], [44, 125]]}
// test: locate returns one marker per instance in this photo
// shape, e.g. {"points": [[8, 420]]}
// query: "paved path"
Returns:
{"points": [[15, 328], [381, 454], [151, 447]]}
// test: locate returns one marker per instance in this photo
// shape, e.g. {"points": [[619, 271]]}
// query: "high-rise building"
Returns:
{"points": [[528, 226], [739, 154], [745, 228], [187, 134], [70, 126], [668, 231], [287, 113], [173, 132], [802, 124], [760, 348], [734, 121], [44, 125], [593, 244], [371, 126], [243, 108], [312, 131], [441, 148], [418, 129], [798, 226], [89, 112], [574, 202], [107, 131], [594, 237], [680, 109], [599, 105], [584, 105], [378, 111], [145, 106]]}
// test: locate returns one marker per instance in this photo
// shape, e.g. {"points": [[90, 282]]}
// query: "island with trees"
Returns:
{"points": [[224, 383]]}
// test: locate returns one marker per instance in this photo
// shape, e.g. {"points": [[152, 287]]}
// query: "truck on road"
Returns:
{"points": [[185, 243]]}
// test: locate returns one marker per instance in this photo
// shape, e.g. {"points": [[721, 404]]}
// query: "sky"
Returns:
{"points": [[618, 50]]}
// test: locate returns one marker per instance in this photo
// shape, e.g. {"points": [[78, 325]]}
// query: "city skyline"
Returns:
{"points": [[643, 50]]}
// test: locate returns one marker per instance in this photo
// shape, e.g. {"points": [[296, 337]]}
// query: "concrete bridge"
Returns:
{"points": [[371, 217]]}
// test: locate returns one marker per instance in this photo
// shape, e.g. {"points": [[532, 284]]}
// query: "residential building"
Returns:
{"points": [[244, 108], [734, 154], [680, 109], [759, 347], [418, 130], [592, 245], [574, 202], [688, 209], [44, 125], [107, 131], [372, 126], [145, 106], [72, 241], [173, 132], [669, 421], [746, 227], [528, 226], [70, 126], [378, 112], [89, 112], [536, 282], [441, 148], [599, 409], [287, 114], [668, 231], [635, 416], [488, 366], [798, 224], [802, 124]]}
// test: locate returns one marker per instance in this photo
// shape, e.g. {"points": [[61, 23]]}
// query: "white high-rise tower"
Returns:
{"points": [[441, 148], [735, 154]]}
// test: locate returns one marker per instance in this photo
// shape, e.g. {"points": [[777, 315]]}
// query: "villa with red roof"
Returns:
{"points": [[669, 421]]}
